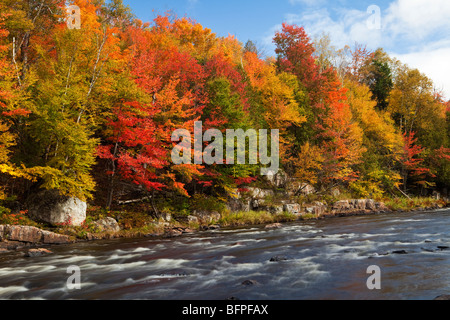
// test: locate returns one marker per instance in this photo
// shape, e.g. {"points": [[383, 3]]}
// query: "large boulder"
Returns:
{"points": [[51, 207]]}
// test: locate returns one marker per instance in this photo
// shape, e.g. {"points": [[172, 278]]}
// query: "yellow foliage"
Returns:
{"points": [[308, 163], [377, 126]]}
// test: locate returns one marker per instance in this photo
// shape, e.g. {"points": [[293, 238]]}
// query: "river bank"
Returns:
{"points": [[26, 237]]}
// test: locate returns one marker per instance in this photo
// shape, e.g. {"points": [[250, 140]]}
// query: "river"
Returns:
{"points": [[326, 259]]}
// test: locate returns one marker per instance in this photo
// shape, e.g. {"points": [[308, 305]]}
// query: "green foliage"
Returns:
{"points": [[253, 218], [416, 203], [91, 111], [205, 203]]}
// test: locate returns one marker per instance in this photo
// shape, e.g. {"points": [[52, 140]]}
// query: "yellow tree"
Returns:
{"points": [[382, 141]]}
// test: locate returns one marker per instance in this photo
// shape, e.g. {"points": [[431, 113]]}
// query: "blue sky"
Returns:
{"points": [[415, 31]]}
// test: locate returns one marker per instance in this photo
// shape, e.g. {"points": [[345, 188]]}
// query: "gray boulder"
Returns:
{"points": [[51, 207]]}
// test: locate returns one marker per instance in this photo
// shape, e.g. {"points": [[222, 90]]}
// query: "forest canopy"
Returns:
{"points": [[90, 111]]}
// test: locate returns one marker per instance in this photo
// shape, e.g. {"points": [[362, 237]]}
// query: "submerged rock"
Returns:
{"points": [[278, 258], [37, 253], [400, 252], [273, 226], [249, 283]]}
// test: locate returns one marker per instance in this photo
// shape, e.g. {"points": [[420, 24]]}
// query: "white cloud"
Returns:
{"points": [[414, 31], [434, 63], [418, 19]]}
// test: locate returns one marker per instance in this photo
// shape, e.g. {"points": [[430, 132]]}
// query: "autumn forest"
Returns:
{"points": [[90, 111]]}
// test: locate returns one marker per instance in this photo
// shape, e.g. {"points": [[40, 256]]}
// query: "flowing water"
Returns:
{"points": [[326, 259]]}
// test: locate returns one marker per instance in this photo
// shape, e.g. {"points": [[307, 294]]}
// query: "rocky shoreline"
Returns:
{"points": [[17, 237]]}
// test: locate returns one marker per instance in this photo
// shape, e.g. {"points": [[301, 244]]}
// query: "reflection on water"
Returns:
{"points": [[325, 260]]}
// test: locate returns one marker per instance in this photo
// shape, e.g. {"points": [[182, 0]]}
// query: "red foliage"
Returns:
{"points": [[412, 163]]}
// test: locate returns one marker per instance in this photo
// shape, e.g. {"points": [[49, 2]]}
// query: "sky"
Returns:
{"points": [[417, 32]]}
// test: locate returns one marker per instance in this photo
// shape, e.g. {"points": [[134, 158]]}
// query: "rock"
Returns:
{"points": [[442, 248], [277, 179], [360, 205], [371, 205], [342, 205], [319, 208], [249, 283], [295, 187], [54, 238], [278, 259], [400, 252], [273, 226], [236, 205], [316, 208], [255, 204], [206, 217], [211, 227], [273, 209], [293, 208], [310, 210], [29, 234], [23, 234], [380, 206], [3, 250], [173, 233], [166, 216], [108, 225], [261, 194], [436, 195], [443, 298], [37, 252], [2, 231], [233, 299], [193, 219], [51, 207], [335, 192]]}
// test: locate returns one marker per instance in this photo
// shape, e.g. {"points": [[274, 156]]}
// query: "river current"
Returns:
{"points": [[325, 259]]}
